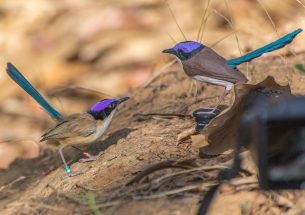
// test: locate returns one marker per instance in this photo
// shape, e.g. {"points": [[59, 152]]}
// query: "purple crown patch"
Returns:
{"points": [[187, 46], [101, 105]]}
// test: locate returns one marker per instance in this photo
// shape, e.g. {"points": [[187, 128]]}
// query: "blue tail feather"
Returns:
{"points": [[26, 86], [280, 43]]}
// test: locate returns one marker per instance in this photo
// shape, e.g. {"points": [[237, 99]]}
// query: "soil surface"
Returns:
{"points": [[143, 134]]}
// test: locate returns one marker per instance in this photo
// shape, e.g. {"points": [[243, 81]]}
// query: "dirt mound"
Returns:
{"points": [[143, 134]]}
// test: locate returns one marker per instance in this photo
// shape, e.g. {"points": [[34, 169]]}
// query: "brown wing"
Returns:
{"points": [[82, 124], [209, 64]]}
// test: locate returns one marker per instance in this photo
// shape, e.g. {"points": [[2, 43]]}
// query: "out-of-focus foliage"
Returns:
{"points": [[113, 46]]}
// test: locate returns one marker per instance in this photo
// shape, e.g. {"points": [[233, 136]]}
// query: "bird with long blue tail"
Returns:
{"points": [[77, 129], [203, 64]]}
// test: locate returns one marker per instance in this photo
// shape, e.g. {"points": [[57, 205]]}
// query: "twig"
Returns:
{"points": [[50, 207], [159, 73], [65, 195], [161, 186], [13, 182], [85, 187], [108, 204], [203, 22], [301, 3], [74, 88], [189, 171], [223, 38], [163, 165], [171, 37], [33, 204], [164, 115], [201, 187], [174, 18], [104, 205]]}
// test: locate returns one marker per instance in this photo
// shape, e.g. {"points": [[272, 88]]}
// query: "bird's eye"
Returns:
{"points": [[111, 105], [181, 52], [182, 55]]}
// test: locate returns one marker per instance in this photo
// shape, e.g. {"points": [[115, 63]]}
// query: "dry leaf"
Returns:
{"points": [[199, 140], [185, 135], [221, 133]]}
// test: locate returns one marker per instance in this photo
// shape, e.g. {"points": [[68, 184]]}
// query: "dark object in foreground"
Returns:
{"points": [[203, 116], [275, 134], [276, 137]]}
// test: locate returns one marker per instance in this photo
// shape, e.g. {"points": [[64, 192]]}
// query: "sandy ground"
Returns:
{"points": [[136, 141]]}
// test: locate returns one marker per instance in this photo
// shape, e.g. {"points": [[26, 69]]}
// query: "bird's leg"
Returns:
{"points": [[215, 109], [190, 89], [89, 157], [69, 172], [193, 84], [203, 116], [220, 100], [196, 91]]}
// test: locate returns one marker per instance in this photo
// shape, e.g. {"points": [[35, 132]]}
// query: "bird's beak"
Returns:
{"points": [[123, 99], [169, 51]]}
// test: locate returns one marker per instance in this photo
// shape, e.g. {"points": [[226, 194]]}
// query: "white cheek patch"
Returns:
{"points": [[102, 129]]}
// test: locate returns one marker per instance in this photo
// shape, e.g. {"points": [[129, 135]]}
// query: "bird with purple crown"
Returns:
{"points": [[77, 129], [203, 64]]}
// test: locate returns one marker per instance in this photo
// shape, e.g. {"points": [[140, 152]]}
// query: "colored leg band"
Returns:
{"points": [[68, 169]]}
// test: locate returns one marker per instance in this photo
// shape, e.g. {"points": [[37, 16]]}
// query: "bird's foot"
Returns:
{"points": [[90, 157], [71, 173], [203, 116]]}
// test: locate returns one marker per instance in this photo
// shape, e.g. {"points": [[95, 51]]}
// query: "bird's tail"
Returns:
{"points": [[13, 72], [280, 43]]}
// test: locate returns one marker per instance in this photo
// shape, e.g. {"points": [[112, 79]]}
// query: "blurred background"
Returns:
{"points": [[114, 46]]}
